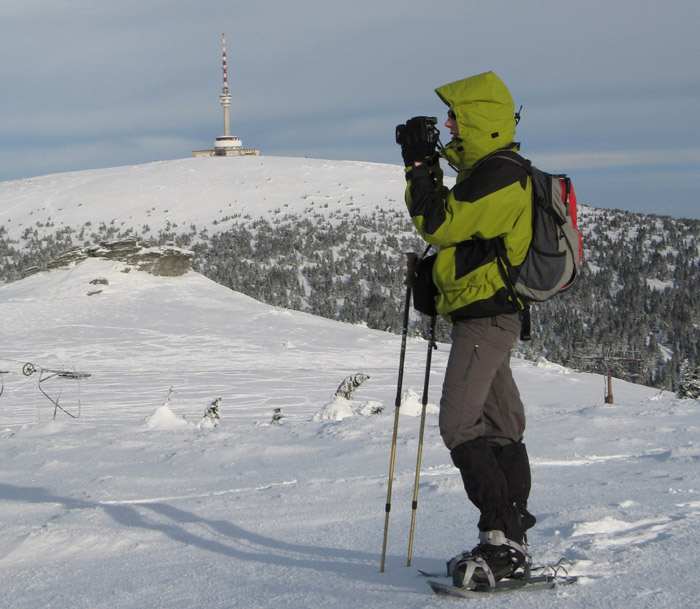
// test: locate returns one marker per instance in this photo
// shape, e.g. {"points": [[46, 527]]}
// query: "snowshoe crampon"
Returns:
{"points": [[547, 577]]}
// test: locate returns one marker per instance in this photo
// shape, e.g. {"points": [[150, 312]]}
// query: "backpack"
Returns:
{"points": [[553, 258]]}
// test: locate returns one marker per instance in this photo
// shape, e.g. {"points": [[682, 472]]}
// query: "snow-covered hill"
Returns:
{"points": [[130, 505], [329, 237], [195, 192]]}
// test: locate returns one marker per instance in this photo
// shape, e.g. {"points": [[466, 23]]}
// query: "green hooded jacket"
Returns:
{"points": [[491, 200]]}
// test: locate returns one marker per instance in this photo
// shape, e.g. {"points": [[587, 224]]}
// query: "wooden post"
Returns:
{"points": [[609, 393]]}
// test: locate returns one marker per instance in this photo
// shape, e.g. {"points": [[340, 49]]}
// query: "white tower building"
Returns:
{"points": [[227, 144]]}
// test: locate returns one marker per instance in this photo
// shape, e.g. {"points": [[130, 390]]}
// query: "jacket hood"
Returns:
{"points": [[485, 115]]}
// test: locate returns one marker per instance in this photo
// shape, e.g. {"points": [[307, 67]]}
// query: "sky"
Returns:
{"points": [[610, 90]]}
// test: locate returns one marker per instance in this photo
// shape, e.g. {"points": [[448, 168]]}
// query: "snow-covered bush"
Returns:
{"points": [[341, 405]]}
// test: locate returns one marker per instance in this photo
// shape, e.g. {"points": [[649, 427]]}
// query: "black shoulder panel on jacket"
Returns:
{"points": [[492, 175]]}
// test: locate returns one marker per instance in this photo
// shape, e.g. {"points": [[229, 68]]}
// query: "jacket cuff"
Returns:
{"points": [[414, 173]]}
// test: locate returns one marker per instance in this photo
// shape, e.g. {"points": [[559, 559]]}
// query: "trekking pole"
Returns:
{"points": [[397, 405], [429, 358]]}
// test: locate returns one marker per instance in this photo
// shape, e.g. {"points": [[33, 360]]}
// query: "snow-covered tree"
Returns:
{"points": [[689, 387]]}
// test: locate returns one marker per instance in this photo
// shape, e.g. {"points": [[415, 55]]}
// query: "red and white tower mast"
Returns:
{"points": [[225, 97], [226, 144]]}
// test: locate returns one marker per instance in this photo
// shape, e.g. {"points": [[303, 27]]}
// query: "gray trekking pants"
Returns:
{"points": [[479, 395]]}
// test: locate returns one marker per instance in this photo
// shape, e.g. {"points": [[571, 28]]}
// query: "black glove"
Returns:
{"points": [[417, 138]]}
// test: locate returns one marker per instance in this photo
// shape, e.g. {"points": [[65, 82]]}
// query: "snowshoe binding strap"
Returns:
{"points": [[498, 538], [455, 560], [464, 572]]}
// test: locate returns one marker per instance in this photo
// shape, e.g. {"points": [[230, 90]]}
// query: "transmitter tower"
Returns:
{"points": [[226, 144]]}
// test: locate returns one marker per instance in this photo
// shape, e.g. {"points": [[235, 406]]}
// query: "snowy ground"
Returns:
{"points": [[130, 506]]}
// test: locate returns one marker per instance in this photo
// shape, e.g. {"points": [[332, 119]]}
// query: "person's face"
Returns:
{"points": [[451, 124]]}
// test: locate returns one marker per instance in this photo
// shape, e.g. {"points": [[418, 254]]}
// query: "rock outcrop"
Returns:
{"points": [[162, 260]]}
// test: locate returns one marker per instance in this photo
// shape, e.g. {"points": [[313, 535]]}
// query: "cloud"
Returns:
{"points": [[609, 83], [621, 158]]}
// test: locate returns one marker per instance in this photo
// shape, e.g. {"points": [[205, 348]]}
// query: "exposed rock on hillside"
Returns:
{"points": [[165, 260]]}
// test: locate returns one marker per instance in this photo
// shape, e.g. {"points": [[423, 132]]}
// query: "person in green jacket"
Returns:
{"points": [[482, 419]]}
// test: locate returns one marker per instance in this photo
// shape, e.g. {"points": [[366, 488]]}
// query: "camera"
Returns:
{"points": [[419, 128]]}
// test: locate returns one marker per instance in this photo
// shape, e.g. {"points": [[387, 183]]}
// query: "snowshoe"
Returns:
{"points": [[494, 559]]}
